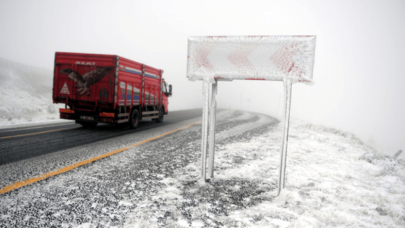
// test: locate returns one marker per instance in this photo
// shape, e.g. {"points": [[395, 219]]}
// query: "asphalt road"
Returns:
{"points": [[106, 192], [26, 152], [26, 142]]}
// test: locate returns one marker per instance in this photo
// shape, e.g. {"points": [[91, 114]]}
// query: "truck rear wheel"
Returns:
{"points": [[88, 124], [161, 113], [134, 120]]}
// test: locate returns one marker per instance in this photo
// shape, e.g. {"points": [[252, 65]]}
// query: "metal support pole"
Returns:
{"points": [[283, 156], [207, 97], [212, 120]]}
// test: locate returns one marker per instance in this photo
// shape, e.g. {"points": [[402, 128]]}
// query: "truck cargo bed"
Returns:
{"points": [[94, 84]]}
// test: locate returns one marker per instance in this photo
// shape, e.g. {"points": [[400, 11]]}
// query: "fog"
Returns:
{"points": [[358, 72]]}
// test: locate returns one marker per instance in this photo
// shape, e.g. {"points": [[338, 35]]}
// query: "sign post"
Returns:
{"points": [[208, 129], [283, 155], [269, 58], [212, 120], [204, 123]]}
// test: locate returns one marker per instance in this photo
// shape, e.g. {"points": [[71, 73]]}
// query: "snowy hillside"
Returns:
{"points": [[25, 94]]}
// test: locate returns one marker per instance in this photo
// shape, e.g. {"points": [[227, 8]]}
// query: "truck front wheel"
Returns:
{"points": [[161, 113], [134, 121]]}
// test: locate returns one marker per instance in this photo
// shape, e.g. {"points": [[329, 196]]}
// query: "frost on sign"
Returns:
{"points": [[251, 58], [274, 58]]}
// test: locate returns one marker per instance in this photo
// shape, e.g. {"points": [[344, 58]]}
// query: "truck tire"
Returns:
{"points": [[134, 120], [88, 124], [161, 114]]}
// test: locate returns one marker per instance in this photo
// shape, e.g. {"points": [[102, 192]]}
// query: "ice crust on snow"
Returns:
{"points": [[251, 57]]}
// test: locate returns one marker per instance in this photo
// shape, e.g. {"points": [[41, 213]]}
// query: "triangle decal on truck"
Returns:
{"points": [[65, 89]]}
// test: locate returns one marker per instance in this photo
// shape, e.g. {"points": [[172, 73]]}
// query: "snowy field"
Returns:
{"points": [[25, 95], [333, 180]]}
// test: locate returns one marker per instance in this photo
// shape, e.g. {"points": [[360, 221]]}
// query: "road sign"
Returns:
{"points": [[272, 58]]}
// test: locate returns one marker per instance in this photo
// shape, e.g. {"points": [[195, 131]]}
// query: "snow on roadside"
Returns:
{"points": [[333, 179], [243, 116], [25, 94], [240, 129]]}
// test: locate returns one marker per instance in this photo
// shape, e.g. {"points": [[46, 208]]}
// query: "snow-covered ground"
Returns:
{"points": [[25, 94], [333, 179]]}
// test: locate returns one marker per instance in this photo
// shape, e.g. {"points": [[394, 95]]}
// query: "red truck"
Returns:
{"points": [[109, 89]]}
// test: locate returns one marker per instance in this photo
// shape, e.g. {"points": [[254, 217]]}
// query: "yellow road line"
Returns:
{"points": [[81, 163], [42, 132]]}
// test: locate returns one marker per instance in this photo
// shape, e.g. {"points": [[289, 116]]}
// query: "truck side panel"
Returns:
{"points": [[130, 75], [130, 81]]}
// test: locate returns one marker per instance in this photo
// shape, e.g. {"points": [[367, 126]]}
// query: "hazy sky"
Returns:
{"points": [[360, 53]]}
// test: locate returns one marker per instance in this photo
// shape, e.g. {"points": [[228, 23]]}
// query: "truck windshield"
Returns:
{"points": [[164, 87]]}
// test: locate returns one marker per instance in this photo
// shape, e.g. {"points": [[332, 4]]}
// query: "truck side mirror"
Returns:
{"points": [[170, 90]]}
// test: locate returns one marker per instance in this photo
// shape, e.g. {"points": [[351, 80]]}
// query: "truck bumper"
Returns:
{"points": [[84, 118]]}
